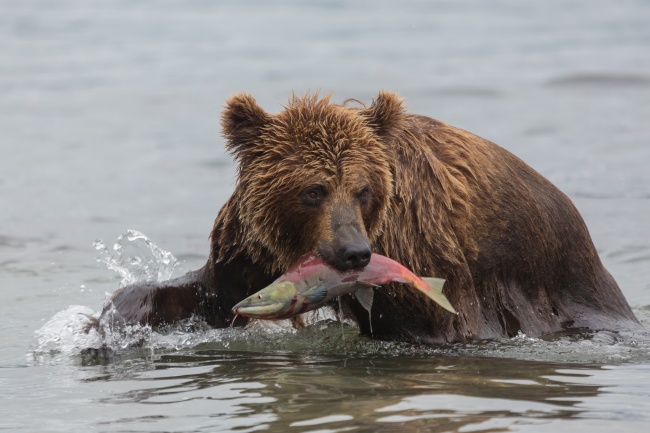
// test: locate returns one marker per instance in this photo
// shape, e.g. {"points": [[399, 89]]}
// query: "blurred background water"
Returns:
{"points": [[109, 121]]}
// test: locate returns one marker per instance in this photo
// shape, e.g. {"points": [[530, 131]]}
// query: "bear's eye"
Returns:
{"points": [[313, 196], [364, 195]]}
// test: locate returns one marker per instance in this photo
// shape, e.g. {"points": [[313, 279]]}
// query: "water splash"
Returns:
{"points": [[63, 335], [68, 334], [137, 258]]}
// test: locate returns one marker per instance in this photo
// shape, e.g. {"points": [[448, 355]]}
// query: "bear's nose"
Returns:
{"points": [[356, 256]]}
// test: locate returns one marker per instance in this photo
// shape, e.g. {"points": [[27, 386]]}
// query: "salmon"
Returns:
{"points": [[310, 283]]}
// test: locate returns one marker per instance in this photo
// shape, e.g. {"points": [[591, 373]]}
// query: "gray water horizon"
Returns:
{"points": [[109, 121]]}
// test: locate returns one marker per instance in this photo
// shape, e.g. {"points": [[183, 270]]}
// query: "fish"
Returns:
{"points": [[310, 283]]}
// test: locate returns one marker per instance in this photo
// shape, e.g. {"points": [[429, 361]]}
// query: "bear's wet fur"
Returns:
{"points": [[346, 180]]}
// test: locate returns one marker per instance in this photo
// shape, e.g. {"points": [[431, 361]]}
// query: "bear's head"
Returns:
{"points": [[314, 177]]}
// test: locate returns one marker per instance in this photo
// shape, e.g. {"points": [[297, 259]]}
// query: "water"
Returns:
{"points": [[136, 258], [109, 121]]}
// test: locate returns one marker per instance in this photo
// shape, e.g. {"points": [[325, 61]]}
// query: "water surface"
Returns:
{"points": [[109, 121]]}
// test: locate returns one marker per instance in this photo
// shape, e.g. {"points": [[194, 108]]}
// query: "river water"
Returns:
{"points": [[109, 122]]}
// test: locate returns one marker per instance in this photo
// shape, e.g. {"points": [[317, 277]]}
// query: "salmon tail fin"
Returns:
{"points": [[436, 293], [435, 283]]}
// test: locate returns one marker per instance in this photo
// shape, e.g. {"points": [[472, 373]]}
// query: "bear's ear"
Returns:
{"points": [[242, 122], [386, 114]]}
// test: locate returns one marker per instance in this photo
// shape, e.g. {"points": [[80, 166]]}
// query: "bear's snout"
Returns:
{"points": [[355, 255], [345, 245]]}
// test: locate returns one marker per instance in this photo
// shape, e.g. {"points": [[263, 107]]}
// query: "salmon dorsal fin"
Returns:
{"points": [[436, 293]]}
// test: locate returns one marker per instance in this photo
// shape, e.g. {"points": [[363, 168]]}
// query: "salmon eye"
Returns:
{"points": [[259, 296]]}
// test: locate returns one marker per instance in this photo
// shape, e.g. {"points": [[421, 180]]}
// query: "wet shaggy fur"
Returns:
{"points": [[319, 176]]}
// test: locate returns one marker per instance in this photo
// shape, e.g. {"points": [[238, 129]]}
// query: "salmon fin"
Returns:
{"points": [[435, 283], [365, 297], [315, 295], [436, 293]]}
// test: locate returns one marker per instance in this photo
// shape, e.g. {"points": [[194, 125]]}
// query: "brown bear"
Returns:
{"points": [[345, 181]]}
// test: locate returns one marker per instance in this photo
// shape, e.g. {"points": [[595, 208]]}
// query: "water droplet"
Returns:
{"points": [[136, 258]]}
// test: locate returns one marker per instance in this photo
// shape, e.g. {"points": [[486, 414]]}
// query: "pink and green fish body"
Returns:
{"points": [[310, 283]]}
